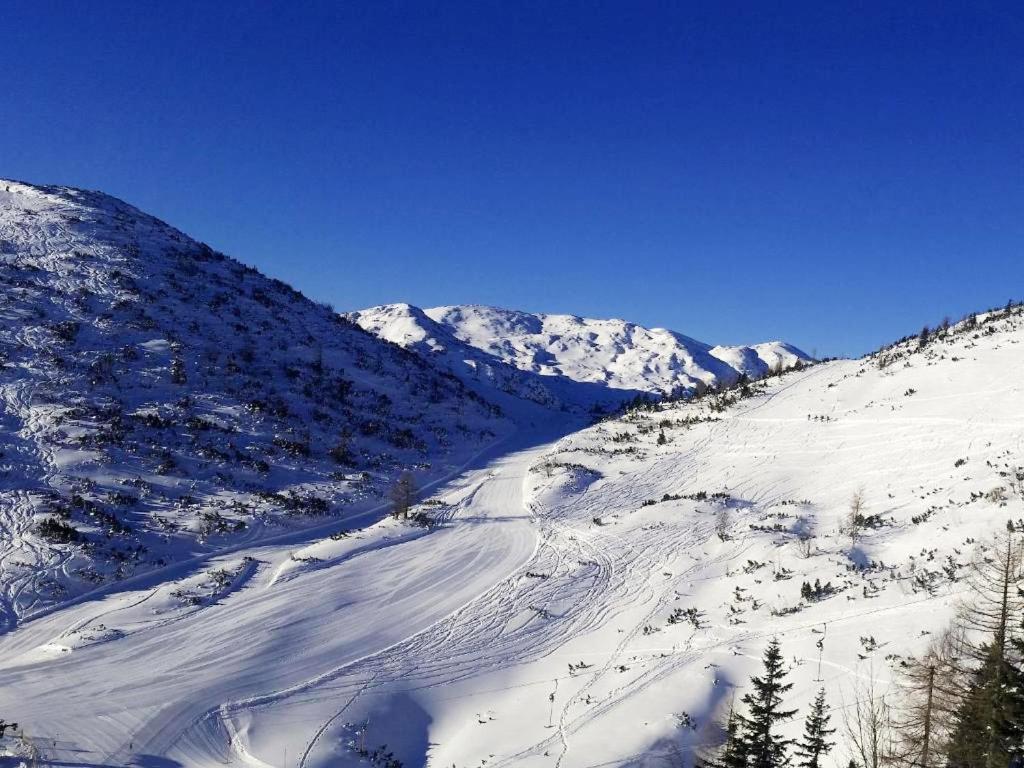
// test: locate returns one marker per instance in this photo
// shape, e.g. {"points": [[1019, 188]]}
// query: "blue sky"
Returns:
{"points": [[831, 174]]}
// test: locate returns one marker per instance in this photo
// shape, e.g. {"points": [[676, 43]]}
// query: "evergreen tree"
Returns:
{"points": [[765, 748], [815, 744], [988, 727]]}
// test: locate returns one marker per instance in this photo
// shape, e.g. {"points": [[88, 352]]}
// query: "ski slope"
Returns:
{"points": [[575, 606], [145, 672]]}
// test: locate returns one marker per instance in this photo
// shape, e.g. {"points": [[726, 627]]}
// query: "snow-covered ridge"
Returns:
{"points": [[609, 360], [412, 328], [160, 400]]}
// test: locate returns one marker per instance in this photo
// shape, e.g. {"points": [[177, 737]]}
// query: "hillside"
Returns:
{"points": [[676, 541], [566, 361], [159, 400]]}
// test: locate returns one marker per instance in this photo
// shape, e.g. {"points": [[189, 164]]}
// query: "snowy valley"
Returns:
{"points": [[198, 568]]}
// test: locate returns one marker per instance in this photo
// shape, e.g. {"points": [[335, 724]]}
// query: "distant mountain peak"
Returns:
{"points": [[581, 362]]}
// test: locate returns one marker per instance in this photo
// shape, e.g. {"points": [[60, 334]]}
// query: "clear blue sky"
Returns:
{"points": [[834, 176]]}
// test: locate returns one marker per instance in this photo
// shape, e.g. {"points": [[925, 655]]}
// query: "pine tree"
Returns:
{"points": [[764, 746], [989, 724], [815, 744]]}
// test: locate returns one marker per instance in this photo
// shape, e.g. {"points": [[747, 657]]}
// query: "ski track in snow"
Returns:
{"points": [[490, 535]]}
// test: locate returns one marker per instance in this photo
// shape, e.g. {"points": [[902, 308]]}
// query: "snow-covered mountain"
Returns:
{"points": [[594, 599], [564, 360], [173, 424], [159, 400], [412, 328]]}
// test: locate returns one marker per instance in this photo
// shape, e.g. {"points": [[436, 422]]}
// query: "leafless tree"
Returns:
{"points": [[867, 721], [855, 517], [995, 609], [804, 531], [931, 689], [805, 545], [723, 521], [403, 495], [1017, 482], [996, 604]]}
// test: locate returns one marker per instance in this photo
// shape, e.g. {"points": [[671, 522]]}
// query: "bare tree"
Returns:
{"points": [[996, 605], [804, 531], [403, 495], [855, 517], [867, 721], [723, 521], [1017, 482], [805, 545], [932, 687]]}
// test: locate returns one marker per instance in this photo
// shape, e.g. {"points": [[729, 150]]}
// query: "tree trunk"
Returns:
{"points": [[1000, 649], [928, 718]]}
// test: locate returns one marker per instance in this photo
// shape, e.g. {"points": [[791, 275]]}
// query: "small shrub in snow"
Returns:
{"points": [[58, 531]]}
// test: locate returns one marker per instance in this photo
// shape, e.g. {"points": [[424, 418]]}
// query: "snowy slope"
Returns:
{"points": [[930, 436], [568, 360], [574, 605], [159, 400]]}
